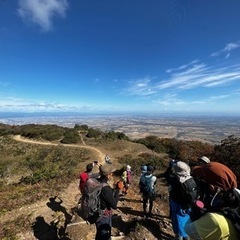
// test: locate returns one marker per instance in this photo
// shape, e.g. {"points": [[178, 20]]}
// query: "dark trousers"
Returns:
{"points": [[146, 200], [104, 227]]}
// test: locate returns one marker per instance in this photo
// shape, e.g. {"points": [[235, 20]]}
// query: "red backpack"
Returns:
{"points": [[83, 179]]}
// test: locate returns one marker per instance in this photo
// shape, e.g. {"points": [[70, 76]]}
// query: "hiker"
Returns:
{"points": [[212, 177], [203, 160], [178, 175], [147, 188], [221, 222], [107, 159], [87, 174], [108, 201], [126, 178]]}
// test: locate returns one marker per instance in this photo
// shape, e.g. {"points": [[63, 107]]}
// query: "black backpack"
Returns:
{"points": [[231, 209], [234, 216], [190, 191]]}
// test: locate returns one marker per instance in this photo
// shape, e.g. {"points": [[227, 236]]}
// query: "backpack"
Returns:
{"points": [[83, 179], [190, 191], [231, 210], [145, 185], [234, 215], [129, 177], [90, 205]]}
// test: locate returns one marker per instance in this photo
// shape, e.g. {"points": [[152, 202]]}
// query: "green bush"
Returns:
{"points": [[115, 135], [47, 132], [83, 127], [94, 133], [70, 136]]}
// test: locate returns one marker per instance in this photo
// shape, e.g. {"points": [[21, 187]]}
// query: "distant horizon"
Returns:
{"points": [[211, 128], [14, 114]]}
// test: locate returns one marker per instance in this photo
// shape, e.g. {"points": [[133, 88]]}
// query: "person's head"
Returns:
{"points": [[181, 169], [106, 170], [144, 168], [89, 167], [128, 168], [150, 169], [203, 160]]}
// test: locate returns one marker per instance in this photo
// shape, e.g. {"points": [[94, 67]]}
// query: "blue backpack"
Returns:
{"points": [[145, 185]]}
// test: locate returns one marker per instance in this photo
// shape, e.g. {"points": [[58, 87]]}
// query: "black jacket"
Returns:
{"points": [[108, 196]]}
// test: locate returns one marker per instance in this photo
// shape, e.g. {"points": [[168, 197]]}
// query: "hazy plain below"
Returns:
{"points": [[198, 127]]}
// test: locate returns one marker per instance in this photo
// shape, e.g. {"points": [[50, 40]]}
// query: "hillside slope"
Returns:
{"points": [[56, 217]]}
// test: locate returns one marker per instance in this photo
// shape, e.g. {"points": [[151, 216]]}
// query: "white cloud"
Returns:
{"points": [[41, 12], [196, 76], [141, 87], [226, 50], [218, 97], [182, 67], [170, 99], [19, 104]]}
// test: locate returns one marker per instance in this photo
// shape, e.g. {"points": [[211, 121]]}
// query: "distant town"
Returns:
{"points": [[210, 129]]}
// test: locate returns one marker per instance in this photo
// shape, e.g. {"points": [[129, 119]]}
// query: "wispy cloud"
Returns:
{"points": [[218, 97], [175, 101], [142, 87], [195, 76], [226, 50], [170, 100], [182, 67], [17, 104], [42, 12]]}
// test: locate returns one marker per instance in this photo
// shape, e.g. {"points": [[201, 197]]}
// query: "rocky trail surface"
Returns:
{"points": [[58, 217]]}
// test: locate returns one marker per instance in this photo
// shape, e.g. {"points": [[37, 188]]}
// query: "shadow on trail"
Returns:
{"points": [[129, 210], [122, 225], [122, 198], [44, 231], [153, 226], [55, 204]]}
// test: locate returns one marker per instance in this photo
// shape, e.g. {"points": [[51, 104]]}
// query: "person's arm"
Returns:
{"points": [[153, 181], [94, 175]]}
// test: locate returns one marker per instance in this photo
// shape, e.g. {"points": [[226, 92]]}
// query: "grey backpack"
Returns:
{"points": [[90, 205]]}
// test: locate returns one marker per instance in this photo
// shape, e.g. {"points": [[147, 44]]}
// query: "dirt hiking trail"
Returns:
{"points": [[58, 216]]}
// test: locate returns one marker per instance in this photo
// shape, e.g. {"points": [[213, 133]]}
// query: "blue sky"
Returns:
{"points": [[103, 56]]}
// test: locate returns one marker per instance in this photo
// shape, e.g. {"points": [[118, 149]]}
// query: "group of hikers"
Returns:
{"points": [[204, 200]]}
